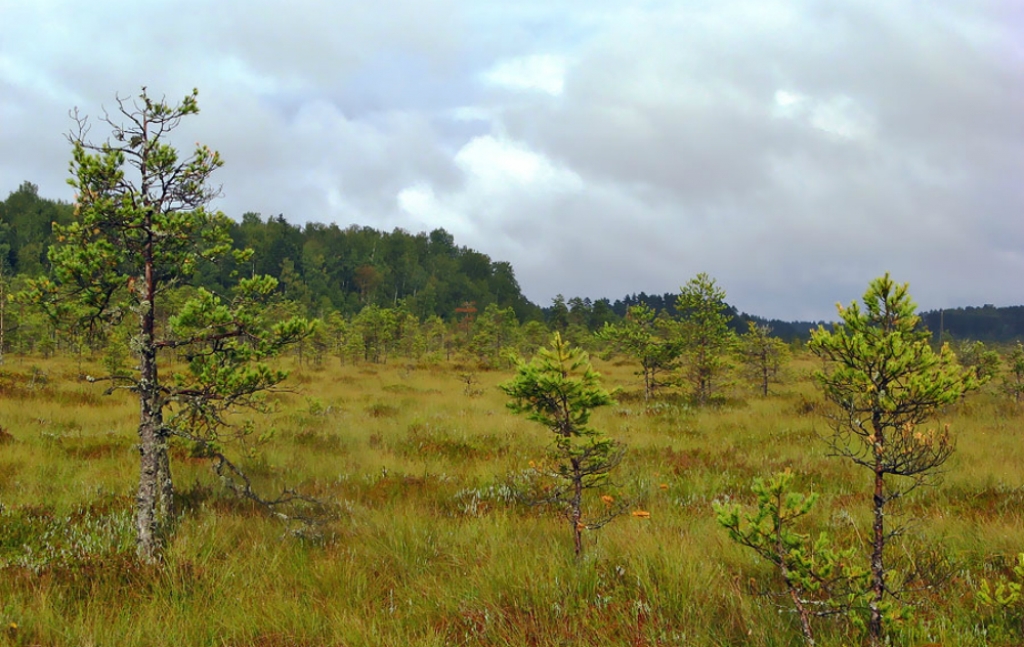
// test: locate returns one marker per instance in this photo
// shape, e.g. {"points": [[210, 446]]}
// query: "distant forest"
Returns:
{"points": [[326, 268]]}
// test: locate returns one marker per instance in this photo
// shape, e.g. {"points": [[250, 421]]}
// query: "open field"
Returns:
{"points": [[430, 547]]}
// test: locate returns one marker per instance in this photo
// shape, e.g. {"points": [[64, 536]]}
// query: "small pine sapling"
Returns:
{"points": [[1006, 595], [649, 340], [820, 580], [1013, 379], [762, 355], [705, 335], [559, 388], [975, 355]]}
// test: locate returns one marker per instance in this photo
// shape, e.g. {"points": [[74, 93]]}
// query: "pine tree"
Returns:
{"points": [[141, 227], [649, 340], [1013, 380], [885, 382], [820, 579], [704, 329], [762, 355], [559, 389]]}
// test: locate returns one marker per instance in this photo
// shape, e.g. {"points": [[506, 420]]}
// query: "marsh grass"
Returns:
{"points": [[433, 543]]}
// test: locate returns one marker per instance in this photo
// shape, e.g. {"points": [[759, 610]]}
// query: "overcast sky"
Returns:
{"points": [[792, 150]]}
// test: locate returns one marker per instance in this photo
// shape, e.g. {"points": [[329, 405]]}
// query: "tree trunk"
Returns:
{"points": [[576, 508], [765, 373], [147, 512], [155, 498], [878, 543], [165, 484]]}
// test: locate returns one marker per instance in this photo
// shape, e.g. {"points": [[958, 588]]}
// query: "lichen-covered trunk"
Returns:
{"points": [[154, 501], [147, 512], [165, 484]]}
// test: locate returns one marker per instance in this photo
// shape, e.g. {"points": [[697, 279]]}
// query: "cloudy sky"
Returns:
{"points": [[791, 149]]}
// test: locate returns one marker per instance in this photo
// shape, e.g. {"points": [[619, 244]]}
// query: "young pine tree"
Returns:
{"points": [[1013, 380], [762, 355], [559, 389], [885, 382], [705, 334], [820, 579], [649, 340]]}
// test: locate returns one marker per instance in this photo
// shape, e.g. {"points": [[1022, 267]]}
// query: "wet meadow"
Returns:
{"points": [[429, 537]]}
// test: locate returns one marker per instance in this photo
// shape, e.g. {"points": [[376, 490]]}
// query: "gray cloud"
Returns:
{"points": [[793, 150], [898, 155]]}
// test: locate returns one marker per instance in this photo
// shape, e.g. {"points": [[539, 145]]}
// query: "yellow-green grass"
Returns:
{"points": [[429, 547]]}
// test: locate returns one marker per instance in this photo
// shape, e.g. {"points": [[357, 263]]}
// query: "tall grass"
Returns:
{"points": [[430, 545]]}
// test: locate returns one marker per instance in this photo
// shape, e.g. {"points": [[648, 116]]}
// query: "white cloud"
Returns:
{"points": [[501, 165], [235, 71], [20, 74], [508, 196], [472, 113], [842, 116], [539, 73], [789, 104]]}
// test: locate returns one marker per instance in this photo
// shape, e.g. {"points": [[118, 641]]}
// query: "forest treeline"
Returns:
{"points": [[324, 269]]}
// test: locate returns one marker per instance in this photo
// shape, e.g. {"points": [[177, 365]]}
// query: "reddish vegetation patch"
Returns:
{"points": [[278, 639], [86, 399], [618, 622], [685, 461], [96, 450], [390, 488], [381, 410], [991, 503]]}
